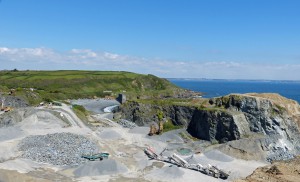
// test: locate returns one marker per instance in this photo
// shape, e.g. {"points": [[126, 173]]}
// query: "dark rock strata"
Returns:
{"points": [[227, 118], [212, 125], [272, 117]]}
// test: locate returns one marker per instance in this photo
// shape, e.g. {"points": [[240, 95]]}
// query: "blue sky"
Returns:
{"points": [[247, 39]]}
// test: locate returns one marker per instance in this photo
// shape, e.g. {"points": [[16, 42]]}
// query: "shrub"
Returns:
{"points": [[81, 112], [168, 126], [160, 115], [47, 100], [80, 108]]}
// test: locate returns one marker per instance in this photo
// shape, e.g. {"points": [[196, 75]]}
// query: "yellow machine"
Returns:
{"points": [[7, 109]]}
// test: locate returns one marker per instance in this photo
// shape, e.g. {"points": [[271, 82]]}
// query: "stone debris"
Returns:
{"points": [[64, 149], [279, 154], [13, 101], [127, 124]]}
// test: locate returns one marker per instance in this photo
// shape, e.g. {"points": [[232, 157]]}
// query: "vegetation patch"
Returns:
{"points": [[278, 110], [168, 126], [36, 86], [81, 112], [186, 136], [168, 102]]}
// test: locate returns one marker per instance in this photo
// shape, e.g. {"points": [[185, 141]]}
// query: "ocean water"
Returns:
{"points": [[216, 88]]}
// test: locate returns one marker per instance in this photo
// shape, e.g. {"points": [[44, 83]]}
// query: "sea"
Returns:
{"points": [[217, 87]]}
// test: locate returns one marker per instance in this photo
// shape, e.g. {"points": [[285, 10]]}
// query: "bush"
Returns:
{"points": [[160, 115], [47, 100], [80, 108], [3, 88], [168, 126], [81, 112]]}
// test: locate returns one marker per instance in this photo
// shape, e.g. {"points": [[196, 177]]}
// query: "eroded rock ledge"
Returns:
{"points": [[273, 118]]}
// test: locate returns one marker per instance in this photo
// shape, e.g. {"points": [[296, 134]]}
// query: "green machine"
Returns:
{"points": [[99, 156]]}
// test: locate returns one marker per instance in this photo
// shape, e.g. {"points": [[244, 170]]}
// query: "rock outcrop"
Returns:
{"points": [[214, 125], [13, 101], [272, 117], [145, 113], [263, 115]]}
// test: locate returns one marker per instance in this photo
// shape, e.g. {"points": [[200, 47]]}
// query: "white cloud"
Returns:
{"points": [[84, 53], [111, 56], [3, 49], [86, 59]]}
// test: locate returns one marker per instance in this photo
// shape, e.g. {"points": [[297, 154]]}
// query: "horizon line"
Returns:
{"points": [[229, 79]]}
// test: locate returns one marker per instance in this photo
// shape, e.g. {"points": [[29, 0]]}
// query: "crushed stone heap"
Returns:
{"points": [[63, 149]]}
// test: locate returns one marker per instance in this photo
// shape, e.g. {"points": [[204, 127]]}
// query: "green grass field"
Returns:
{"points": [[70, 84]]}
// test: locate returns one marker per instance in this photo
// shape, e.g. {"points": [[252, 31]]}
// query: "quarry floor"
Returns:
{"points": [[127, 161]]}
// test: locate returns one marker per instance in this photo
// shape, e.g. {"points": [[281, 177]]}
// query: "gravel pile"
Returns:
{"points": [[64, 149], [15, 102], [127, 124]]}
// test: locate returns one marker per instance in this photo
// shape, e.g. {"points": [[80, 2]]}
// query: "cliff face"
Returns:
{"points": [[214, 125], [143, 114], [263, 115], [272, 117], [226, 118]]}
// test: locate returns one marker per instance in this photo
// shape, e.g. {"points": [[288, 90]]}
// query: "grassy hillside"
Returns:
{"points": [[83, 84]]}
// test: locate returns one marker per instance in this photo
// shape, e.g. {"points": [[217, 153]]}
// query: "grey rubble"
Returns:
{"points": [[14, 102], [58, 149], [233, 117], [126, 124]]}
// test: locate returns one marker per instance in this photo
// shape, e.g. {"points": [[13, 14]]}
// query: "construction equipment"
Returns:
{"points": [[94, 157], [56, 104], [179, 161], [12, 92], [7, 109], [151, 153]]}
